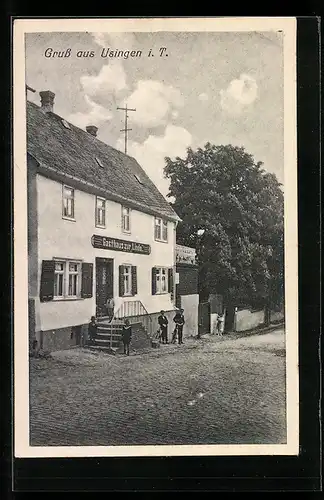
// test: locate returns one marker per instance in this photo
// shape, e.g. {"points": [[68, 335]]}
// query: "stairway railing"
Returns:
{"points": [[135, 311]]}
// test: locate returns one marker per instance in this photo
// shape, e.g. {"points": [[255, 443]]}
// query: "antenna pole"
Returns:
{"points": [[126, 129]]}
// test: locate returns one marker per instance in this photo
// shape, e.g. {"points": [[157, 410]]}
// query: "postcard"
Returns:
{"points": [[155, 237]]}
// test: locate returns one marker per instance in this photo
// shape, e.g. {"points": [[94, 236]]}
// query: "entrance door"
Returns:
{"points": [[204, 318], [229, 319], [104, 284]]}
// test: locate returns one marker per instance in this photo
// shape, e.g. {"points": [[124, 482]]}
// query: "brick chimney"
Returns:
{"points": [[47, 100], [91, 129]]}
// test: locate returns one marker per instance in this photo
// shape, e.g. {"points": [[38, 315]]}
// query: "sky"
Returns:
{"points": [[217, 87]]}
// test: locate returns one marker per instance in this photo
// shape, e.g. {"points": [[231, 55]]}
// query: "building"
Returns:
{"points": [[187, 296], [98, 228]]}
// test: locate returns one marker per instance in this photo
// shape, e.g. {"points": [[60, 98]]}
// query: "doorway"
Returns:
{"points": [[229, 319], [104, 284], [204, 318]]}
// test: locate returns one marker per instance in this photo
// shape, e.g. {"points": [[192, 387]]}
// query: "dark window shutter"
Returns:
{"points": [[121, 281], [154, 271], [47, 281], [170, 280], [134, 280], [87, 279]]}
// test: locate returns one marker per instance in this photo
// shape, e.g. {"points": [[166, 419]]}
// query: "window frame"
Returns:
{"points": [[129, 274], [97, 224], [158, 282], [66, 273], [68, 217], [163, 225], [123, 207]]}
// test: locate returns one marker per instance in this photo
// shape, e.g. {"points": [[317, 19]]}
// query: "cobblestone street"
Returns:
{"points": [[215, 391]]}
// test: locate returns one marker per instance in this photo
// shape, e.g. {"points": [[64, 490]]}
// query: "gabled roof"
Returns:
{"points": [[76, 154]]}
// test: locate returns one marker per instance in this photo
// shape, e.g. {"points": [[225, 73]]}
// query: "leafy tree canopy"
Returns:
{"points": [[222, 190]]}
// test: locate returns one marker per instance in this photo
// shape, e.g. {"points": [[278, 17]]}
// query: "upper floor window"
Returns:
{"points": [[126, 219], [68, 202], [100, 212], [161, 230]]}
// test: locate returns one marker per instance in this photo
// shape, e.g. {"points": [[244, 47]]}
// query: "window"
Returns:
{"points": [[59, 279], [161, 230], [68, 202], [65, 124], [99, 163], [126, 219], [160, 277], [100, 212], [137, 177], [73, 279], [127, 280], [67, 279]]}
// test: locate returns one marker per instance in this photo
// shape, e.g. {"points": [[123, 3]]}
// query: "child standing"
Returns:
{"points": [[92, 329], [220, 324], [126, 336]]}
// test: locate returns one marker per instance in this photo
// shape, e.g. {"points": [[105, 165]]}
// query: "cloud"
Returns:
{"points": [[95, 116], [203, 97], [151, 153], [104, 89], [111, 79], [239, 94], [154, 102], [122, 41]]}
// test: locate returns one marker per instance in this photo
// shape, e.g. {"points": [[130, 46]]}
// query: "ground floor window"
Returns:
{"points": [[162, 280], [127, 280], [127, 276], [67, 279]]}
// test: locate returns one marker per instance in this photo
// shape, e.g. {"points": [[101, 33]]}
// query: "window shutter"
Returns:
{"points": [[134, 280], [47, 281], [154, 272], [170, 280], [121, 281], [87, 280]]}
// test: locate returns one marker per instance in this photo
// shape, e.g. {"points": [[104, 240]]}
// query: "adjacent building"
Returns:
{"points": [[187, 296], [98, 228]]}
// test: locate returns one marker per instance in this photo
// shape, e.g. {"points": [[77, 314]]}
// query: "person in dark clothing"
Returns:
{"points": [[92, 329], [126, 336], [163, 322], [179, 322]]}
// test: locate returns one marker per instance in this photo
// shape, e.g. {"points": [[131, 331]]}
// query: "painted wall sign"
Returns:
{"points": [[186, 255], [99, 241]]}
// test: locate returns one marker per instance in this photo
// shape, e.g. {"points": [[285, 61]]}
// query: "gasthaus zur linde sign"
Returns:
{"points": [[98, 241]]}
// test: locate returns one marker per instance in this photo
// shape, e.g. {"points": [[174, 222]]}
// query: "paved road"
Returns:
{"points": [[211, 391]]}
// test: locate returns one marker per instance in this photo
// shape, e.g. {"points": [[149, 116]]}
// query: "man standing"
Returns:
{"points": [[179, 322], [163, 322]]}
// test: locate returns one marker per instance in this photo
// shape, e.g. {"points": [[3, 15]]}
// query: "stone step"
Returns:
{"points": [[108, 335], [109, 326], [106, 342]]}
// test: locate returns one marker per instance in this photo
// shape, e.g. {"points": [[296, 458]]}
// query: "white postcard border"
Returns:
{"points": [[20, 337]]}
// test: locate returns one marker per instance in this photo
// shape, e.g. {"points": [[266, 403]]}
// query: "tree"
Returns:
{"points": [[222, 190]]}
